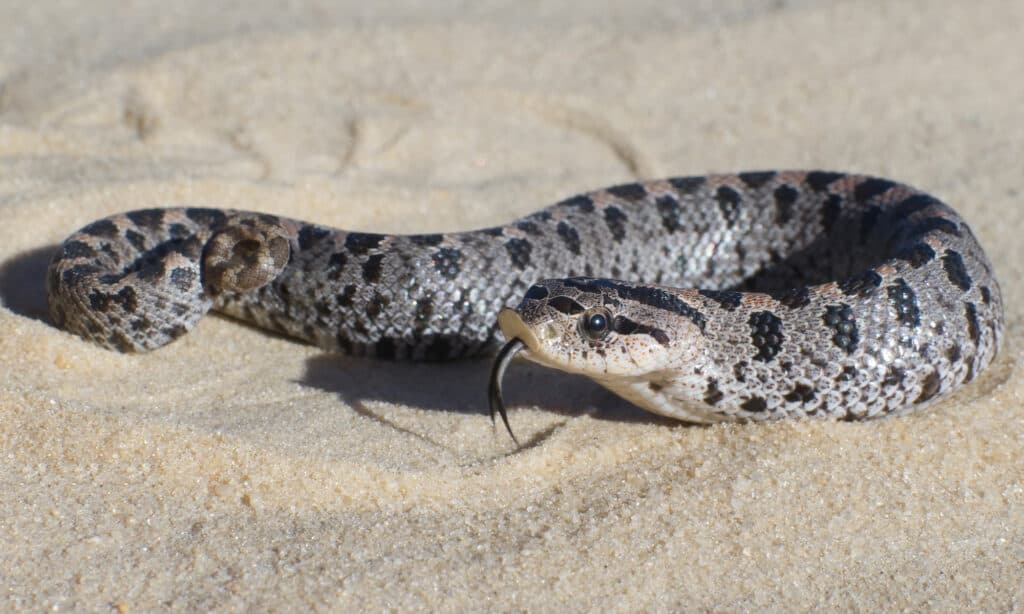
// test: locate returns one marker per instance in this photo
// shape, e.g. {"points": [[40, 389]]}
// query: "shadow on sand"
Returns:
{"points": [[23, 282]]}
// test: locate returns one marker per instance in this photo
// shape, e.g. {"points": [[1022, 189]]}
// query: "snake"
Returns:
{"points": [[727, 297]]}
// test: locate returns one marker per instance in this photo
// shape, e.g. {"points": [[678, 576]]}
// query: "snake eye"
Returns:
{"points": [[596, 323]]}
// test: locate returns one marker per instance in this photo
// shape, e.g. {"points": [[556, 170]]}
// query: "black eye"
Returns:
{"points": [[595, 323]]}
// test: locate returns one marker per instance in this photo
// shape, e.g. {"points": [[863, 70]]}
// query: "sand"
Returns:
{"points": [[235, 469]]}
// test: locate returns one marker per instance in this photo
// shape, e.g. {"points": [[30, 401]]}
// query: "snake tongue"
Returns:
{"points": [[508, 351]]}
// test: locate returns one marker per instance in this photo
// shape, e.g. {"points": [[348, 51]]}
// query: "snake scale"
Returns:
{"points": [[813, 293]]}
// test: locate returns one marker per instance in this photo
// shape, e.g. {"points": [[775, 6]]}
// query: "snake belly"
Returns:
{"points": [[815, 293]]}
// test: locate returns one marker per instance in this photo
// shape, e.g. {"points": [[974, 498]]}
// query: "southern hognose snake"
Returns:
{"points": [[814, 293]]}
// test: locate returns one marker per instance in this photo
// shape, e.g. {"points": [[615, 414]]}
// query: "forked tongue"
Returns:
{"points": [[508, 351]]}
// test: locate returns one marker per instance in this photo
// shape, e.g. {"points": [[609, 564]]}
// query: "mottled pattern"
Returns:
{"points": [[815, 293]]}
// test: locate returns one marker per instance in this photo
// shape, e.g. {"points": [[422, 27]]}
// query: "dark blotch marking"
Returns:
{"points": [[840, 319], [496, 231], [910, 205], [986, 295], [359, 243], [668, 209], [446, 261], [862, 284], [973, 323], [917, 255], [104, 229], [528, 227], [739, 371], [616, 221], [794, 298], [78, 249], [107, 249], [755, 404], [727, 299], [653, 386], [125, 298], [174, 331], [128, 299], [210, 218], [570, 237], [377, 304], [629, 191], [311, 235], [564, 304], [870, 188], [830, 211], [424, 309], [785, 198], [801, 393], [645, 295], [178, 231], [894, 377], [729, 202], [820, 180], [741, 252], [903, 298], [766, 334], [847, 374], [190, 247], [757, 179], [182, 279], [137, 239], [337, 261], [372, 268], [954, 353], [930, 387], [430, 240], [868, 222], [713, 394], [537, 293], [584, 203], [687, 185], [152, 219], [953, 262], [151, 268], [519, 252], [940, 224], [625, 326]]}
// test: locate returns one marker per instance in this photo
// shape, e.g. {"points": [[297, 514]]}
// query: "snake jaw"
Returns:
{"points": [[505, 356]]}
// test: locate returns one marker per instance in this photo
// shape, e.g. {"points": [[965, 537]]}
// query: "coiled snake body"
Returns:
{"points": [[815, 293]]}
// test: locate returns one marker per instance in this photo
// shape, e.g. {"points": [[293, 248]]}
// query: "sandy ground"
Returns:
{"points": [[235, 469]]}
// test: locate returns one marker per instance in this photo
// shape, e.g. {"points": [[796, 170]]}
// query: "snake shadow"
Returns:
{"points": [[23, 283], [461, 387]]}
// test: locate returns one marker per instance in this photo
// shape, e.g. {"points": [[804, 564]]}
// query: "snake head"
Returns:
{"points": [[632, 339], [605, 329]]}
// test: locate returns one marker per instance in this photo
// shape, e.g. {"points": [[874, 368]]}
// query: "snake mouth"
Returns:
{"points": [[505, 356]]}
